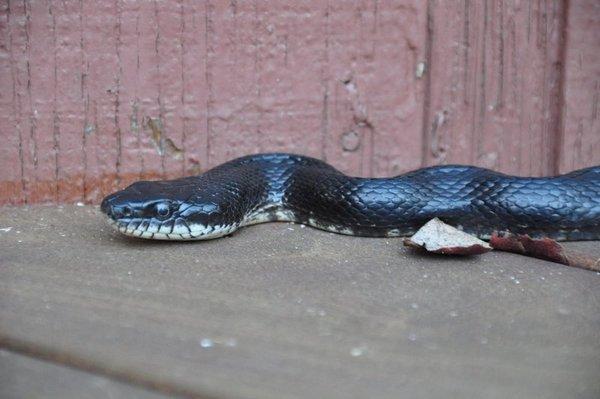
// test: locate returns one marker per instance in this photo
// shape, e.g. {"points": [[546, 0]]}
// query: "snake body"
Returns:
{"points": [[286, 187]]}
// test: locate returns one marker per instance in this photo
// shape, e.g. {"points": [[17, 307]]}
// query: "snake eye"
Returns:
{"points": [[126, 211], [162, 210]]}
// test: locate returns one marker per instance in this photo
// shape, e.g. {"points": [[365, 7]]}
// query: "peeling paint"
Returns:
{"points": [[164, 145], [350, 141], [420, 70]]}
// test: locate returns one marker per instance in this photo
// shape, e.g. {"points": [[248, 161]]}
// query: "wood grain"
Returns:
{"points": [[580, 145], [374, 100], [495, 84], [95, 95], [280, 311], [26, 377]]}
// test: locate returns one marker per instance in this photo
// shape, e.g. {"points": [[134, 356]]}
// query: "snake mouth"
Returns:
{"points": [[178, 230]]}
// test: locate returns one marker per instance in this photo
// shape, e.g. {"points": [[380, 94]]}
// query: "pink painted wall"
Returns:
{"points": [[96, 94]]}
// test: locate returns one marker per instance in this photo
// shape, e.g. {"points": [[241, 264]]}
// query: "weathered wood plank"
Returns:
{"points": [[12, 184], [374, 100], [195, 86], [580, 145], [232, 72], [40, 87], [495, 84], [69, 104], [291, 64], [279, 311], [98, 94], [149, 111], [128, 119], [168, 47], [103, 68]]}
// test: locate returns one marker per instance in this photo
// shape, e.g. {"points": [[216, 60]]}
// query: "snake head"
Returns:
{"points": [[161, 210]]}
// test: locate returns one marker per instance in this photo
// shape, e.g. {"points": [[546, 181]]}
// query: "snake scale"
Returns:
{"points": [[286, 187]]}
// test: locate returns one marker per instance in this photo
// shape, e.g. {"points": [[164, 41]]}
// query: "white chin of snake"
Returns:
{"points": [[157, 231]]}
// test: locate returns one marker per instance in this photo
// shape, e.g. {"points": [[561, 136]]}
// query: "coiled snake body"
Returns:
{"points": [[286, 187]]}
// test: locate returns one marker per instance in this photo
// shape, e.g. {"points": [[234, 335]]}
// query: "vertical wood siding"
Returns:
{"points": [[97, 94], [580, 133], [495, 94]]}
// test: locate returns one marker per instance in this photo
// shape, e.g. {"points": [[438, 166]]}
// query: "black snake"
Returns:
{"points": [[287, 187]]}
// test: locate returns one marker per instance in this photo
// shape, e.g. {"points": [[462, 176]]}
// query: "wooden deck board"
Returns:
{"points": [[281, 311], [25, 377]]}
